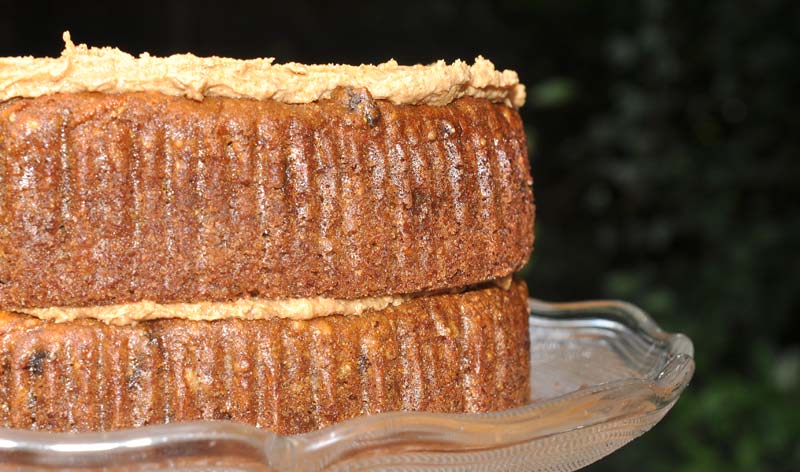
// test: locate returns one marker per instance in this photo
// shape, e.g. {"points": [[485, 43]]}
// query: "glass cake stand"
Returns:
{"points": [[602, 373]]}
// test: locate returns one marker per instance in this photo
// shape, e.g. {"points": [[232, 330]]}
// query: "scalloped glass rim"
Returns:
{"points": [[602, 373]]}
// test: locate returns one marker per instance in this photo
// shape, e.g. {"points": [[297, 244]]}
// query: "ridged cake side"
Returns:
{"points": [[465, 352], [110, 198]]}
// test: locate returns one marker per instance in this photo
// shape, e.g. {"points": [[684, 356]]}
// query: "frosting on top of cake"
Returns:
{"points": [[88, 69]]}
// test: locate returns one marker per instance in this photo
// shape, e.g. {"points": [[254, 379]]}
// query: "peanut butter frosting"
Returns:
{"points": [[244, 308], [250, 308], [109, 70]]}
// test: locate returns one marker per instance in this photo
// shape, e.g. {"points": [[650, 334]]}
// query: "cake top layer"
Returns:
{"points": [[109, 70]]}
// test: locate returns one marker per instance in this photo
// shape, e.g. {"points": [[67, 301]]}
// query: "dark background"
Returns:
{"points": [[664, 143]]}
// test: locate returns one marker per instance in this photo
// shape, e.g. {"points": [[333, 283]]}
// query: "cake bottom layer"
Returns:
{"points": [[465, 352]]}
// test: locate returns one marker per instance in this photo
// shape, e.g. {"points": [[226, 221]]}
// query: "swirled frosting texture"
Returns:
{"points": [[109, 70]]}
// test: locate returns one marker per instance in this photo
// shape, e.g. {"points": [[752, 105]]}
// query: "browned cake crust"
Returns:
{"points": [[465, 352], [114, 198]]}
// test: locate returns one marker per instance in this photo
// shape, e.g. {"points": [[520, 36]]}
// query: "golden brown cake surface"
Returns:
{"points": [[284, 245], [115, 198], [463, 352]]}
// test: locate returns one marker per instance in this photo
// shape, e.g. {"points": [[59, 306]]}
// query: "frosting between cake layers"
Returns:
{"points": [[109, 70], [244, 308], [250, 308]]}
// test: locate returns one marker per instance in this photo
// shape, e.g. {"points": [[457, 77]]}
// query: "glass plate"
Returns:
{"points": [[602, 373]]}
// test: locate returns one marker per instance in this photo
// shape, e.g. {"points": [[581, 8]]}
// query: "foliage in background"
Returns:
{"points": [[667, 172]]}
